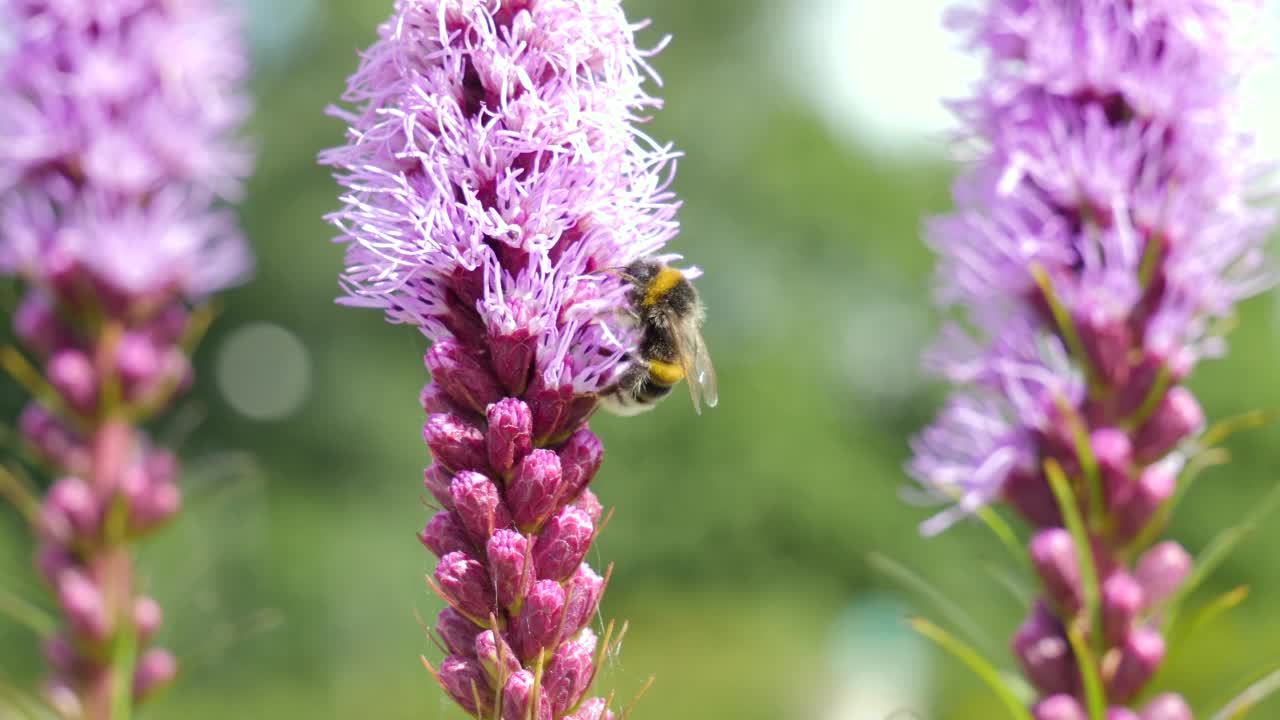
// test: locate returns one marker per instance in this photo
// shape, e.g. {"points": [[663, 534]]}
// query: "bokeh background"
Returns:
{"points": [[815, 143]]}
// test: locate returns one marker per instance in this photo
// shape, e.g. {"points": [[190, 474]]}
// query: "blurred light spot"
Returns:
{"points": [[264, 371], [274, 28], [880, 667], [877, 71]]}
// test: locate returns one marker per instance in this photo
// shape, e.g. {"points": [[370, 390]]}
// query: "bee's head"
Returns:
{"points": [[642, 271]]}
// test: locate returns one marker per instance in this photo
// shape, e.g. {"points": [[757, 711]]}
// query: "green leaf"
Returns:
{"points": [[1005, 534], [1214, 555], [1255, 693], [1207, 614], [974, 662], [25, 613], [1094, 698], [1199, 463], [913, 582]]}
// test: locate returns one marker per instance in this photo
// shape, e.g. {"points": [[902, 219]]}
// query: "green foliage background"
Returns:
{"points": [[740, 537]]}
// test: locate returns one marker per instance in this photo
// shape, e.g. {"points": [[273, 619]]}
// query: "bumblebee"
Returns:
{"points": [[671, 349]]}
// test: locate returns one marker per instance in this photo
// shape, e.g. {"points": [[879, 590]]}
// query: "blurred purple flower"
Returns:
{"points": [[120, 121], [494, 173], [1106, 225]]}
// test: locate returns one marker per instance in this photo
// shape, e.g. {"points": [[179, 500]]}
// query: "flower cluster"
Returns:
{"points": [[1103, 231], [494, 174], [119, 121]]}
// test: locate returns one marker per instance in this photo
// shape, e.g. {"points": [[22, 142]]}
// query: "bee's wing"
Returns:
{"points": [[699, 373]]}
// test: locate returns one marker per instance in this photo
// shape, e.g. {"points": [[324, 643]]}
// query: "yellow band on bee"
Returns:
{"points": [[661, 283], [665, 373]]}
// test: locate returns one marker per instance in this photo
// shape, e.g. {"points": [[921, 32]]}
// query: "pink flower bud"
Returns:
{"points": [[169, 325], [60, 653], [460, 373], [70, 510], [518, 699], [1175, 417], [1059, 707], [569, 672], [512, 356], [1121, 601], [138, 361], [1155, 485], [1114, 456], [444, 534], [1176, 366], [535, 490], [512, 566], [1138, 658], [435, 400], [1041, 647], [1028, 492], [497, 657], [582, 595], [479, 506], [72, 374], [83, 605], [592, 709], [466, 584], [1121, 713], [455, 443], [538, 626], [156, 669], [457, 633], [151, 501], [1161, 569], [465, 681], [550, 407], [580, 458], [51, 560], [510, 435], [147, 616], [1166, 706], [61, 695], [563, 543], [1053, 553], [590, 504], [1107, 340], [36, 323], [436, 479]]}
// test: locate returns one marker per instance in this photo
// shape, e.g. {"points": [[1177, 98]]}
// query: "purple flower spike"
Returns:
{"points": [[1041, 646], [1054, 555], [444, 534], [465, 681], [535, 490], [70, 510], [466, 584], [563, 543], [569, 671], [1115, 460], [478, 504], [518, 699], [1028, 492], [1122, 599], [541, 621], [1166, 706], [1059, 707], [1138, 659], [1162, 569], [72, 374], [456, 632], [494, 180], [510, 435], [512, 566]]}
